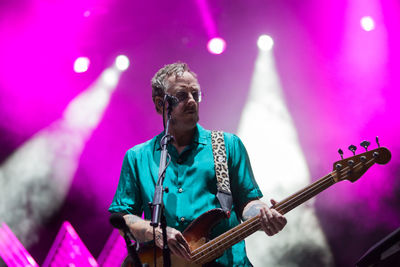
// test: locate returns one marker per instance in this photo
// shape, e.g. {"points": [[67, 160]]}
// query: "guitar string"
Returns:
{"points": [[206, 256], [218, 251], [342, 172], [222, 237], [299, 199], [289, 201], [211, 244], [245, 229], [329, 178]]}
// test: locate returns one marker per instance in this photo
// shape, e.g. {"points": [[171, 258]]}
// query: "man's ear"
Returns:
{"points": [[158, 101]]}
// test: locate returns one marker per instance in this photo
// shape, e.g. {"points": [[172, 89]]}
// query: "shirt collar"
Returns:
{"points": [[201, 136]]}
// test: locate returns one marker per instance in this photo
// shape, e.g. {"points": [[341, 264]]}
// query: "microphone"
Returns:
{"points": [[118, 221], [171, 100]]}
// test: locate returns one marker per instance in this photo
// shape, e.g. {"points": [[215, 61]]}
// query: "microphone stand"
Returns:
{"points": [[157, 205], [132, 250], [118, 222]]}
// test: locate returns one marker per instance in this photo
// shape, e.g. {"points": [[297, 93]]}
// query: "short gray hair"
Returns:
{"points": [[159, 83]]}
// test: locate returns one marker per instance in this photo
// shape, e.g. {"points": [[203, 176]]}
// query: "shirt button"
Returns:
{"points": [[180, 190], [182, 219]]}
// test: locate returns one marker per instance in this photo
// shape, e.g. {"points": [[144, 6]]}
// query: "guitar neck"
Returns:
{"points": [[305, 194], [219, 244]]}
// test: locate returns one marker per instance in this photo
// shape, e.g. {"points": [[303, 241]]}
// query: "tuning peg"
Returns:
{"points": [[365, 144], [340, 151], [353, 149], [377, 141]]}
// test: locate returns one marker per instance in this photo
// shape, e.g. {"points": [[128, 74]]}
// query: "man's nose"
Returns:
{"points": [[190, 97]]}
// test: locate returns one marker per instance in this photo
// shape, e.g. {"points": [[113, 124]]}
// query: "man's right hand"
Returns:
{"points": [[143, 232], [176, 242]]}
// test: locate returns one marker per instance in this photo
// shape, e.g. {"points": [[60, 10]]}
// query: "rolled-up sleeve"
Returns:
{"points": [[243, 185], [127, 197]]}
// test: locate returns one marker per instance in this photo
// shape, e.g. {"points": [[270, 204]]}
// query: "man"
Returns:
{"points": [[190, 175]]}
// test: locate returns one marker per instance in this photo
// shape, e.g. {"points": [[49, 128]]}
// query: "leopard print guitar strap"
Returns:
{"points": [[224, 195]]}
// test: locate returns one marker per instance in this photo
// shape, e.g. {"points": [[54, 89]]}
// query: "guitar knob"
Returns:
{"points": [[377, 141], [340, 151], [353, 149], [365, 144]]}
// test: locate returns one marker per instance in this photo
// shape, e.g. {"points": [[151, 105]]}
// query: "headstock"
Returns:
{"points": [[354, 167]]}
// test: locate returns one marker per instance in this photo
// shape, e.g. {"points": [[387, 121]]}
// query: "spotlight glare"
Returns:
{"points": [[367, 23], [216, 45], [122, 62], [110, 77], [86, 13], [265, 42], [81, 64]]}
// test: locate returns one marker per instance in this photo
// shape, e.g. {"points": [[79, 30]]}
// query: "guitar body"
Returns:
{"points": [[196, 234]]}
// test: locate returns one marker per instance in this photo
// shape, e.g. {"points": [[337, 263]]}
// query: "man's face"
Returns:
{"points": [[186, 88]]}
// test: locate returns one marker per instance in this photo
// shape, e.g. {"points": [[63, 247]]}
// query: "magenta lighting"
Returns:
{"points": [[12, 251], [216, 45], [69, 250], [86, 13], [367, 23], [81, 64]]}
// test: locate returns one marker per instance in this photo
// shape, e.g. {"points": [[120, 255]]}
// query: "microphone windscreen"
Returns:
{"points": [[118, 221]]}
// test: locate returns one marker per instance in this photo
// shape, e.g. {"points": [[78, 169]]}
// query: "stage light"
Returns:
{"points": [[81, 64], [110, 77], [367, 23], [265, 42], [86, 13], [122, 62], [216, 46]]}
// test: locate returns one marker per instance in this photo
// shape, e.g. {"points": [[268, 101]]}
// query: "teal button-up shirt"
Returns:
{"points": [[192, 185]]}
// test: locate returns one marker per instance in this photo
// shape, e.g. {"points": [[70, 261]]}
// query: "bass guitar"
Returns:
{"points": [[204, 251]]}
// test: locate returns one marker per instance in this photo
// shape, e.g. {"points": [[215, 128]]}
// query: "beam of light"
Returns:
{"points": [[280, 168], [35, 179], [216, 45], [81, 64], [367, 23], [208, 21], [110, 77], [265, 42], [122, 62]]}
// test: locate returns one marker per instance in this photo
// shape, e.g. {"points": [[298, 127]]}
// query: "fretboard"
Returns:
{"points": [[218, 245]]}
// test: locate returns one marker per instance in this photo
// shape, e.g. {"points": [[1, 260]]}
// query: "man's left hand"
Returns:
{"points": [[271, 220]]}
